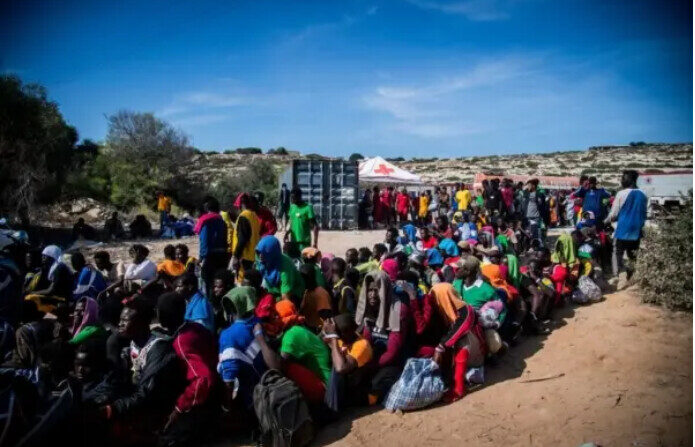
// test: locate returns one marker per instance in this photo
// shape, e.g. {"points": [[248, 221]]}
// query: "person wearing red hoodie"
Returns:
{"points": [[196, 351], [269, 225]]}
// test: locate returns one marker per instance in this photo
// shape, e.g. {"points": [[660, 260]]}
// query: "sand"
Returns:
{"points": [[618, 373]]}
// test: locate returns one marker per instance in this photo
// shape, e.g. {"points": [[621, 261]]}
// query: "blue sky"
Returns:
{"points": [[391, 78]]}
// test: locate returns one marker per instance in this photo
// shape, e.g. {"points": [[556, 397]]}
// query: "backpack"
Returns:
{"points": [[282, 412]]}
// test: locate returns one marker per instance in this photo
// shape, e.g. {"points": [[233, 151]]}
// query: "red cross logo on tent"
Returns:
{"points": [[383, 169]]}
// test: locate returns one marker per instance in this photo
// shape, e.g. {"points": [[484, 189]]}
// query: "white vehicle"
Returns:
{"points": [[665, 190]]}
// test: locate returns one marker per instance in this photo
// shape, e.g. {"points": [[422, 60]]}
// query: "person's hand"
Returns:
{"points": [[258, 331], [329, 326], [438, 356], [315, 245]]}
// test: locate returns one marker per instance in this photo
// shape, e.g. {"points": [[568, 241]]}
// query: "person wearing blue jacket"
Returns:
{"points": [[593, 198], [630, 212], [212, 235]]}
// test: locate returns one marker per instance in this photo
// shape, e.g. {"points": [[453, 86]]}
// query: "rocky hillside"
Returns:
{"points": [[606, 162]]}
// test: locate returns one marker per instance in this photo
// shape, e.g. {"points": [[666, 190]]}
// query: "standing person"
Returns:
{"points": [[302, 222], [422, 208], [269, 226], [443, 202], [385, 202], [463, 198], [533, 210], [402, 205], [377, 212], [212, 234], [493, 199], [164, 208], [593, 199], [247, 233], [629, 210], [507, 192], [283, 204]]}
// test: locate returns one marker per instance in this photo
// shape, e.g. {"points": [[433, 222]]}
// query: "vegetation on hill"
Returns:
{"points": [[664, 268]]}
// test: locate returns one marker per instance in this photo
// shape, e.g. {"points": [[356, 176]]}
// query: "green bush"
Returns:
{"points": [[260, 175], [664, 268]]}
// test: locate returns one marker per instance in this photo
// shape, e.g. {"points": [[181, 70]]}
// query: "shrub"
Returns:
{"points": [[664, 268], [260, 175]]}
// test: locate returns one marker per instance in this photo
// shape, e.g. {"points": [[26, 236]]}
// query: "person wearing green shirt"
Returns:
{"points": [[281, 277], [306, 348], [302, 222], [472, 288]]}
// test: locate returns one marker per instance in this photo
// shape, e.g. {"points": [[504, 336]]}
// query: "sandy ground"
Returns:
{"points": [[617, 373]]}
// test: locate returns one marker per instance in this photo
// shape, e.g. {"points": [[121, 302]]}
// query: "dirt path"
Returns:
{"points": [[626, 380]]}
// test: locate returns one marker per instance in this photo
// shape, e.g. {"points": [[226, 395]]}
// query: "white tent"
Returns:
{"points": [[378, 170]]}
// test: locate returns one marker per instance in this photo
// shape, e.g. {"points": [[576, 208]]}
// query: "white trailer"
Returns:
{"points": [[665, 190]]}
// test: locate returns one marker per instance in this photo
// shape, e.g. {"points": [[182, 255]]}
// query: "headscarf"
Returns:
{"points": [[410, 231], [494, 274], [390, 266], [449, 247], [448, 301], [457, 217], [434, 258], [203, 219], [514, 274], [269, 247], [54, 252], [243, 299], [564, 250], [90, 316], [389, 316], [288, 314]]}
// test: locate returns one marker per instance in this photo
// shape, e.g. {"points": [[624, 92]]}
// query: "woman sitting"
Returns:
{"points": [[281, 277]]}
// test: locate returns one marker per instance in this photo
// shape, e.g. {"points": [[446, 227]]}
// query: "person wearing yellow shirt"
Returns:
{"points": [[463, 198], [247, 233], [164, 208], [423, 208]]}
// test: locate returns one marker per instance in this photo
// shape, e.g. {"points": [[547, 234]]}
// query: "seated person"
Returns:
{"points": [[352, 257], [291, 249], [90, 282], [241, 362], [316, 302], [113, 227], [281, 277], [349, 354], [377, 255], [33, 279], [427, 240], [364, 254], [345, 280], [138, 273], [182, 256], [312, 257], [306, 360], [81, 230], [85, 322], [265, 305], [538, 296], [110, 271], [222, 283], [156, 378], [195, 350], [59, 281], [383, 321], [198, 308], [140, 227]]}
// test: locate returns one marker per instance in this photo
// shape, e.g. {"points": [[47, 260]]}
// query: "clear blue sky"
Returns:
{"points": [[393, 78]]}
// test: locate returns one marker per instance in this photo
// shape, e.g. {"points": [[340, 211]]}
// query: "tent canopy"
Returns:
{"points": [[378, 170]]}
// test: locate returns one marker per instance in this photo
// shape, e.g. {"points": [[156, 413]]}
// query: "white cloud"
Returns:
{"points": [[199, 120], [433, 109], [200, 102], [476, 10]]}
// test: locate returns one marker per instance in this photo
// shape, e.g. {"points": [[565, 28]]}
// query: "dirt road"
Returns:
{"points": [[619, 373]]}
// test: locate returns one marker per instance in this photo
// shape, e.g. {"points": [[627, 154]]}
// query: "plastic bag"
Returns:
{"points": [[591, 291], [419, 386]]}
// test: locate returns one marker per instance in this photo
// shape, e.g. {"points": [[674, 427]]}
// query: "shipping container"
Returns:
{"points": [[331, 186]]}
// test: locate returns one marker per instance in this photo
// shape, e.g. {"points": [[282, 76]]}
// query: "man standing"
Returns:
{"points": [[630, 212], [283, 204], [212, 234], [592, 199], [463, 198], [247, 233], [302, 222], [164, 208], [533, 210]]}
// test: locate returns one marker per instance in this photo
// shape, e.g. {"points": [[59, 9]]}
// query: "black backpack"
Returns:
{"points": [[282, 412]]}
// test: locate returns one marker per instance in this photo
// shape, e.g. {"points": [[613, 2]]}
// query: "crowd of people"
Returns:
{"points": [[182, 350]]}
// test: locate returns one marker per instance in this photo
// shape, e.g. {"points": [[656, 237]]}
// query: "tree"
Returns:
{"points": [[356, 157], [36, 147], [144, 154]]}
